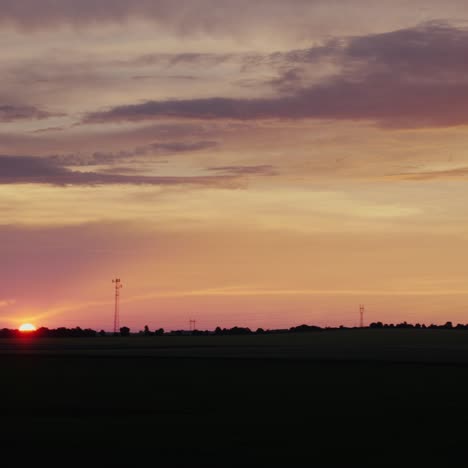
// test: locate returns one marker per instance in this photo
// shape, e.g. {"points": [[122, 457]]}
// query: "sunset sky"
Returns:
{"points": [[261, 164]]}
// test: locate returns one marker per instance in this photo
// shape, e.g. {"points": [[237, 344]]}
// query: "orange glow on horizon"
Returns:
{"points": [[27, 327]]}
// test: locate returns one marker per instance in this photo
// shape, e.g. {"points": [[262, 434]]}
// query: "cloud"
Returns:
{"points": [[456, 173], [205, 108], [153, 149], [179, 147], [299, 17], [35, 170], [193, 58], [186, 16], [49, 129], [376, 98], [263, 169], [7, 302], [10, 113], [407, 78], [434, 48], [195, 15], [170, 77], [288, 81]]}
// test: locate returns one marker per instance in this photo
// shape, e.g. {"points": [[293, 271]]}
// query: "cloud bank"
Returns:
{"points": [[408, 78]]}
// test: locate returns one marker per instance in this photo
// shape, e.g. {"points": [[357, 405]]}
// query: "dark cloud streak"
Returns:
{"points": [[35, 170], [377, 98], [262, 169], [155, 149]]}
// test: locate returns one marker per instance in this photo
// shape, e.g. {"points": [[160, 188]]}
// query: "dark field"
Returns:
{"points": [[330, 398]]}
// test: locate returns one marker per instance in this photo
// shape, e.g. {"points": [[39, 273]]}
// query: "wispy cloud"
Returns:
{"points": [[10, 113], [6, 302], [250, 291], [263, 169], [49, 129], [155, 149], [456, 173]]}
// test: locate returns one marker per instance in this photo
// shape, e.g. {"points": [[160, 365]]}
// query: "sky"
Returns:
{"points": [[259, 164]]}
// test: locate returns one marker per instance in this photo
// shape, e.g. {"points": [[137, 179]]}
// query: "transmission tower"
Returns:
{"points": [[192, 324], [118, 285], [361, 315]]}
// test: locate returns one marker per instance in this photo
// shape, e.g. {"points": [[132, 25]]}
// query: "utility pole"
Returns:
{"points": [[361, 315], [118, 285]]}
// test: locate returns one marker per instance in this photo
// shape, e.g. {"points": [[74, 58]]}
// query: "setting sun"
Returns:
{"points": [[27, 327]]}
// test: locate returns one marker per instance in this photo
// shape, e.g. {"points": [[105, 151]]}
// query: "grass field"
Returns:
{"points": [[335, 398]]}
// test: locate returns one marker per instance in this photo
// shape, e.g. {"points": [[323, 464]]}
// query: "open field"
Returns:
{"points": [[332, 396]]}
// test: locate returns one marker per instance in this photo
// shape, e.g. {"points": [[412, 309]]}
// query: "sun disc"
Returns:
{"points": [[27, 327]]}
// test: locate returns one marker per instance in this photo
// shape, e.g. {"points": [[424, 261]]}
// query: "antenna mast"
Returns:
{"points": [[192, 324], [118, 285], [361, 315]]}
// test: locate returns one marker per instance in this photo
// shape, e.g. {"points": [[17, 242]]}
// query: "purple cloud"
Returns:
{"points": [[153, 149], [199, 15], [376, 98], [408, 78], [35, 170], [9, 113], [431, 49]]}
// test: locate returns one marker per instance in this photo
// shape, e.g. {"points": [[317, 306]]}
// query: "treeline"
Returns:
{"points": [[446, 325], [248, 331], [60, 332], [63, 332]]}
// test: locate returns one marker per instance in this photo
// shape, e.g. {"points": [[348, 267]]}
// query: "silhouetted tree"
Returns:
{"points": [[239, 331], [6, 333], [304, 328], [376, 325], [404, 325], [124, 331]]}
